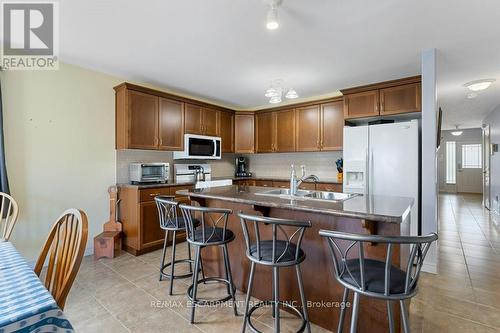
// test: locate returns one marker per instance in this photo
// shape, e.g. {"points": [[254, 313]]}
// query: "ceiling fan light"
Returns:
{"points": [[479, 85], [275, 100], [291, 94]]}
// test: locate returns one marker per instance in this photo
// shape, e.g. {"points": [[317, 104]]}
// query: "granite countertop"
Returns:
{"points": [[321, 180], [170, 184], [370, 207]]}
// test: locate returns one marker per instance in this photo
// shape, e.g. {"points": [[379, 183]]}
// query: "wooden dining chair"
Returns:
{"points": [[66, 244], [8, 216]]}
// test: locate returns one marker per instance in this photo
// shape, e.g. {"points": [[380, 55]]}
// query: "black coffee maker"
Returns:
{"points": [[241, 167]]}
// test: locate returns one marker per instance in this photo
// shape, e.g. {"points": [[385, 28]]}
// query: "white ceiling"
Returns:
{"points": [[220, 50]]}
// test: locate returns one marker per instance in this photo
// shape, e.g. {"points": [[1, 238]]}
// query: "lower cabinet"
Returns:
{"points": [[139, 217], [311, 186]]}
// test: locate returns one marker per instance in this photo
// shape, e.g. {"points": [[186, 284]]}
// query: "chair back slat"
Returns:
{"points": [[65, 247], [212, 220], [8, 215], [419, 247], [275, 227]]}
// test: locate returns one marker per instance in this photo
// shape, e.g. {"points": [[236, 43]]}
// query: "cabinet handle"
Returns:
{"points": [[381, 106], [156, 141], [154, 194], [161, 142]]}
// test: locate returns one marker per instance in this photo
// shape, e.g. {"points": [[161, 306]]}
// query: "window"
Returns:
{"points": [[471, 156], [451, 162]]}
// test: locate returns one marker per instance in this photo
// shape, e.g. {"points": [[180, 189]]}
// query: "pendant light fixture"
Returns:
{"points": [[457, 132], [277, 91]]}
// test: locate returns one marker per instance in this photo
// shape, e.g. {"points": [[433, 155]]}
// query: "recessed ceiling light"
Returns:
{"points": [[479, 85], [457, 132]]}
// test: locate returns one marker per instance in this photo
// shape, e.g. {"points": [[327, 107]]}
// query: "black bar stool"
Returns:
{"points": [[276, 253], [211, 231], [169, 221], [375, 278]]}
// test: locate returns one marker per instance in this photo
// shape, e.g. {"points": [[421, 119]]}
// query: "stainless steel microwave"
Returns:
{"points": [[149, 172], [200, 147]]}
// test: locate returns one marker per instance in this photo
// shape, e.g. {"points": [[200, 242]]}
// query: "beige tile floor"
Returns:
{"points": [[124, 294]]}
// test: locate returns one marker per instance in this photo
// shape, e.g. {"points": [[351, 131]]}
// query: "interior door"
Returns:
{"points": [[486, 166], [469, 167]]}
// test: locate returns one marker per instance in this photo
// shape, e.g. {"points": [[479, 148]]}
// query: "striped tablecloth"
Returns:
{"points": [[25, 304]]}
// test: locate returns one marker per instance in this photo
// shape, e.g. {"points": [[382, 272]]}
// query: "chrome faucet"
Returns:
{"points": [[295, 182]]}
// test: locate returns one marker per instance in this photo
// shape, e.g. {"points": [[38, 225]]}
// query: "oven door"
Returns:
{"points": [[153, 172]]}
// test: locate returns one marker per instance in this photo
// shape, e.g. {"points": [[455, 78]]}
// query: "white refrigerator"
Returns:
{"points": [[384, 160]]}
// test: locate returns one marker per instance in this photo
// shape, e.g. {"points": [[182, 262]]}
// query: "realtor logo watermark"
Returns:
{"points": [[30, 35]]}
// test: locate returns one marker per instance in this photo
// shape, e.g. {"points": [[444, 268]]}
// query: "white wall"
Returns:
{"points": [[493, 119], [472, 135], [59, 142]]}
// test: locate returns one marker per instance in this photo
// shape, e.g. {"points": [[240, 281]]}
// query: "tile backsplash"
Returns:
{"points": [[322, 164]]}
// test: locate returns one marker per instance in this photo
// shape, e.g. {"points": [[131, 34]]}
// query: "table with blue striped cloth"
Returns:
{"points": [[25, 304]]}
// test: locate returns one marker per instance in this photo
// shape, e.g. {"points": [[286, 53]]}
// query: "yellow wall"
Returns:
{"points": [[59, 136]]}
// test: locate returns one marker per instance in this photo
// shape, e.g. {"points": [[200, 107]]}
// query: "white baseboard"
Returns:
{"points": [[430, 267]]}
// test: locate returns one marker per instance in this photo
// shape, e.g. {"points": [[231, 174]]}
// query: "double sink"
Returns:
{"points": [[308, 195]]}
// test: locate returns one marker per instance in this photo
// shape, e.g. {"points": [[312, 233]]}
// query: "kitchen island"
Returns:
{"points": [[381, 215]]}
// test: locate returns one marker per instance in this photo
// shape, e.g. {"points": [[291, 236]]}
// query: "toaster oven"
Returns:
{"points": [[149, 173]]}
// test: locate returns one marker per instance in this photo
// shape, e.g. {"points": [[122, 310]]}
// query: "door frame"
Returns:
{"points": [[486, 152]]}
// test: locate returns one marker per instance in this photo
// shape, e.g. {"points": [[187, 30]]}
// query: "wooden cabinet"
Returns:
{"points": [[171, 118], [275, 131], [285, 131], [281, 183], [332, 126], [329, 187], [308, 124], [147, 121], [361, 105], [193, 122], [307, 186], [244, 140], [139, 217], [244, 182], [201, 120], [265, 124], [143, 120], [400, 99], [226, 131], [385, 98], [265, 183]]}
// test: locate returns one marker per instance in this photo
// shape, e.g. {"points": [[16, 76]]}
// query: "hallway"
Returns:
{"points": [[465, 295]]}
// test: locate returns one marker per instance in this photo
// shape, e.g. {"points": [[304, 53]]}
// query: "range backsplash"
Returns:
{"points": [[322, 164]]}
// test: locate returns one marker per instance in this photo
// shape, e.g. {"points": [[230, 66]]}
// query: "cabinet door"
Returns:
{"points": [[281, 184], [265, 183], [400, 99], [193, 119], [210, 121], [332, 126], [244, 139], [285, 131], [143, 120], [151, 233], [308, 128], [363, 104], [329, 187], [265, 132], [308, 186], [171, 127], [226, 131]]}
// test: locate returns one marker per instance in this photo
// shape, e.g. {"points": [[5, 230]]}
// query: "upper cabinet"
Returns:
{"points": [[146, 121], [244, 142], [308, 128], [265, 132], [386, 98], [154, 120], [201, 120], [332, 126], [284, 126], [226, 131]]}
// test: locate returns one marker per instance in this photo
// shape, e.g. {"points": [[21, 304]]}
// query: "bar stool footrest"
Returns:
{"points": [[206, 301], [268, 303], [181, 276]]}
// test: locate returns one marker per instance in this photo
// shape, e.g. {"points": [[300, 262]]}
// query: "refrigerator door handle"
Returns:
{"points": [[367, 172], [371, 170]]}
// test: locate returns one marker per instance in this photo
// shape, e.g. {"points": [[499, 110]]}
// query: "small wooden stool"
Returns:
{"points": [[106, 243], [109, 242]]}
